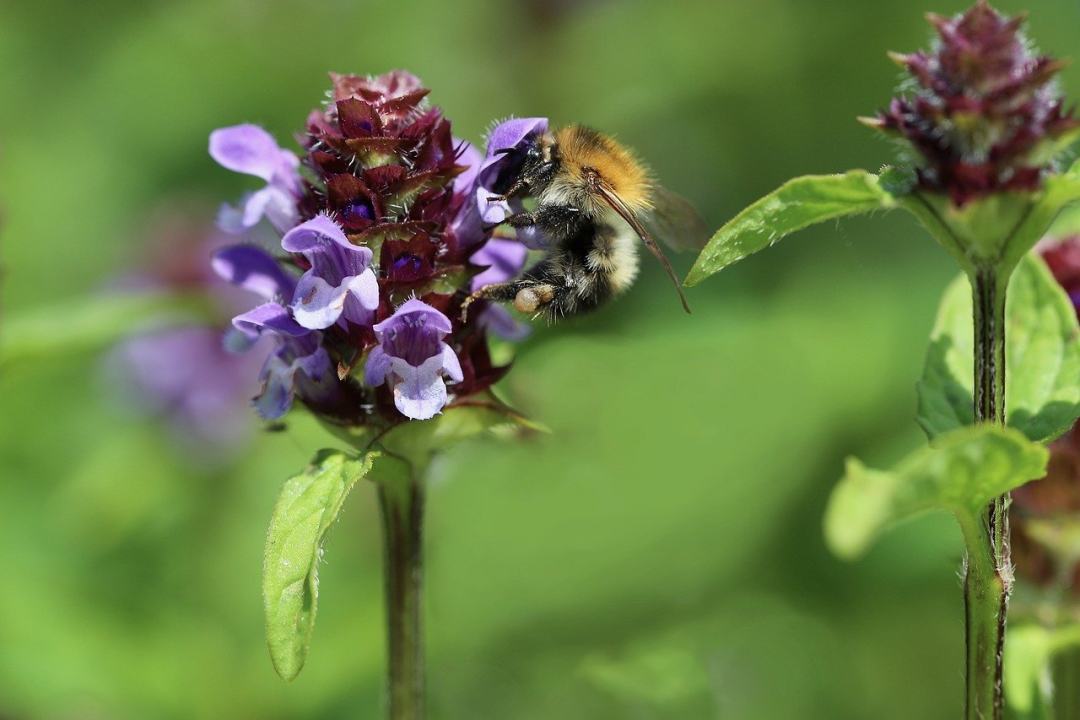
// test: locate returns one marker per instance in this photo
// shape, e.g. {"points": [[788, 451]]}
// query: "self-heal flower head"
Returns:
{"points": [[251, 150], [385, 241], [985, 115], [413, 358]]}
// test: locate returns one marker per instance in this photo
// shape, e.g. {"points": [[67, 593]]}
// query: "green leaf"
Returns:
{"points": [[1042, 358], [1059, 192], [996, 230], [90, 324], [308, 505], [795, 205], [960, 472], [1027, 672], [1029, 654], [419, 440]]}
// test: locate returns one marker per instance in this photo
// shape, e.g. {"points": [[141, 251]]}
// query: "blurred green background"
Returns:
{"points": [[660, 554]]}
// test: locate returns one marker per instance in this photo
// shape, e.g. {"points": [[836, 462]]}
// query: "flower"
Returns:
{"points": [[984, 116], [251, 150], [505, 144], [339, 282], [411, 354], [381, 245], [184, 374], [298, 363], [502, 259]]}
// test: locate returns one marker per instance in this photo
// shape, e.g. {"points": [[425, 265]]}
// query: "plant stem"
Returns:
{"points": [[988, 576], [402, 504]]}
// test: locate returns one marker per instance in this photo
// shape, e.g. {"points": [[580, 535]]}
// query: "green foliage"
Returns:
{"points": [[1029, 654], [92, 323], [419, 441], [1042, 358], [960, 472], [795, 205], [997, 230], [308, 505]]}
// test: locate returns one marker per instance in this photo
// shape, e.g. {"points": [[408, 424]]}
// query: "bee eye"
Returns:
{"points": [[533, 153]]}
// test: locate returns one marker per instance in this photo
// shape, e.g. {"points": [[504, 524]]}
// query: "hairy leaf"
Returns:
{"points": [[795, 205], [1042, 358], [308, 505], [960, 472]]}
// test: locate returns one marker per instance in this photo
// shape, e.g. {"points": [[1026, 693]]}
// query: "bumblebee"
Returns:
{"points": [[593, 199]]}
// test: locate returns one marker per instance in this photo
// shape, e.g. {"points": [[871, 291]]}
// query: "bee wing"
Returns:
{"points": [[675, 221], [616, 203]]}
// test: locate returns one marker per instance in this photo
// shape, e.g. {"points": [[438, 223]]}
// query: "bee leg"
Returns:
{"points": [[522, 219], [527, 296]]}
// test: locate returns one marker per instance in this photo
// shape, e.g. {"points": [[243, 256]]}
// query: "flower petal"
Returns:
{"points": [[270, 317], [252, 268], [275, 397], [504, 259], [433, 320], [419, 392], [317, 304], [450, 364], [470, 157], [246, 149], [377, 366], [508, 135], [501, 323], [324, 244]]}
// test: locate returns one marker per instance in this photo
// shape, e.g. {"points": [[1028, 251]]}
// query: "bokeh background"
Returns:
{"points": [[659, 555]]}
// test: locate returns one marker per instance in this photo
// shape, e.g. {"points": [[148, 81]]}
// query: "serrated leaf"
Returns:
{"points": [[795, 205], [1042, 358], [960, 472], [308, 505]]}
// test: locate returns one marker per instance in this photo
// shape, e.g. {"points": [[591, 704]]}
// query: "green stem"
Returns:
{"points": [[988, 576], [402, 504]]}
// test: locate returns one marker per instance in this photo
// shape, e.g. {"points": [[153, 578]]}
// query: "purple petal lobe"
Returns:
{"points": [[504, 260], [377, 367], [270, 317], [246, 149], [420, 393], [253, 269]]}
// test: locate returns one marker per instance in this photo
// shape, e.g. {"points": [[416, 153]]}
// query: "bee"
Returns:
{"points": [[593, 199]]}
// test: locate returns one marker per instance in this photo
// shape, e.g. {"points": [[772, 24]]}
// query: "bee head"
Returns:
{"points": [[537, 164]]}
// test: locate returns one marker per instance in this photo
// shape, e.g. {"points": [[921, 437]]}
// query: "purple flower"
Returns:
{"points": [[185, 375], [505, 144], [339, 283], [411, 354], [251, 150], [503, 259], [389, 208], [298, 363]]}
